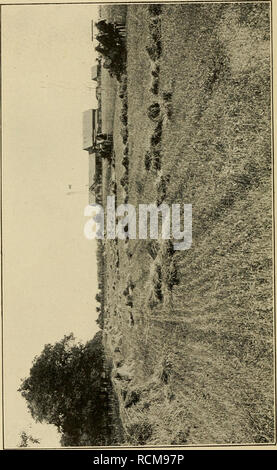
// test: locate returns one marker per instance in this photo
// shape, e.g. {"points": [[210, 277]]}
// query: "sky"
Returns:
{"points": [[49, 266]]}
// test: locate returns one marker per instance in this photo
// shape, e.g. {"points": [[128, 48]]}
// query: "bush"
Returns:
{"points": [[132, 321], [162, 186], [124, 180], [169, 110], [167, 96], [147, 161], [129, 301], [155, 87], [129, 254], [139, 432], [124, 134], [125, 162], [124, 117], [155, 29], [125, 104], [114, 187], [156, 71], [123, 87], [157, 134], [155, 10], [153, 111], [132, 285], [154, 51], [156, 159], [126, 292]]}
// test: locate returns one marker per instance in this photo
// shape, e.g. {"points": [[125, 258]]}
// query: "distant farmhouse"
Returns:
{"points": [[90, 129], [91, 125], [94, 70], [98, 121]]}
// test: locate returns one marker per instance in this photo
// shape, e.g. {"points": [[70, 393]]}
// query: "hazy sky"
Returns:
{"points": [[49, 266]]}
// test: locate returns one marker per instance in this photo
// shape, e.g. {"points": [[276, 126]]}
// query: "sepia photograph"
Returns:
{"points": [[138, 287]]}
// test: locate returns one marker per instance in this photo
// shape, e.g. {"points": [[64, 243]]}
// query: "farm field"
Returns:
{"points": [[190, 333]]}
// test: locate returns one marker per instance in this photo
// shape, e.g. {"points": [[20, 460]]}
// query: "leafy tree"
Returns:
{"points": [[105, 28], [64, 388], [112, 47]]}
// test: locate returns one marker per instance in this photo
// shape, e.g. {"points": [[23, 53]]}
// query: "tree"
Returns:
{"points": [[104, 27], [64, 387], [112, 47]]}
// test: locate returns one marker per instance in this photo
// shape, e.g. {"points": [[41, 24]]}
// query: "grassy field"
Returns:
{"points": [[190, 333]]}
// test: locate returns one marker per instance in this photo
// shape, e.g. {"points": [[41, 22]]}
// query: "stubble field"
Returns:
{"points": [[190, 333]]}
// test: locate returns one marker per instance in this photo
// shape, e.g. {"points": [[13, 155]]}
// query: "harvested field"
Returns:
{"points": [[190, 333]]}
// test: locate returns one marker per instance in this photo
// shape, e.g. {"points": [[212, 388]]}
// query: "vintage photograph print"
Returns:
{"points": [[138, 217]]}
